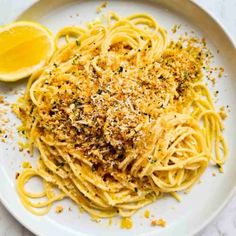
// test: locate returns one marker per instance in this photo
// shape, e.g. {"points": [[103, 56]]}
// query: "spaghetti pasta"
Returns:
{"points": [[120, 117]]}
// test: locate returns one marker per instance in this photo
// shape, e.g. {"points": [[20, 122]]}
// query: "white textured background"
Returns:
{"points": [[225, 223]]}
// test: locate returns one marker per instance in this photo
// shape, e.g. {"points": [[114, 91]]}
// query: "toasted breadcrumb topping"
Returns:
{"points": [[104, 116]]}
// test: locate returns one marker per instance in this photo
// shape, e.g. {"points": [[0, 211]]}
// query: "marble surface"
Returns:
{"points": [[225, 223]]}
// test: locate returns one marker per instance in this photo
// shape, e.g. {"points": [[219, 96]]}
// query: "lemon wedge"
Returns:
{"points": [[24, 48]]}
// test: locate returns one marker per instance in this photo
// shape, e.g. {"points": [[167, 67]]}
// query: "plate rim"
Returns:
{"points": [[214, 213]]}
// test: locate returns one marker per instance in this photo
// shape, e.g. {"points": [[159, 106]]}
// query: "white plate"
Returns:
{"points": [[205, 200]]}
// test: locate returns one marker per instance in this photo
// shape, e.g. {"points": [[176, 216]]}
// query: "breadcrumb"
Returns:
{"points": [[1, 99], [59, 209], [175, 28], [147, 214], [126, 223], [99, 8], [222, 113], [160, 222], [221, 71], [17, 175], [26, 164]]}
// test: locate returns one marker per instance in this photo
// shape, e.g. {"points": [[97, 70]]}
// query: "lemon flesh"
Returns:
{"points": [[24, 47]]}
